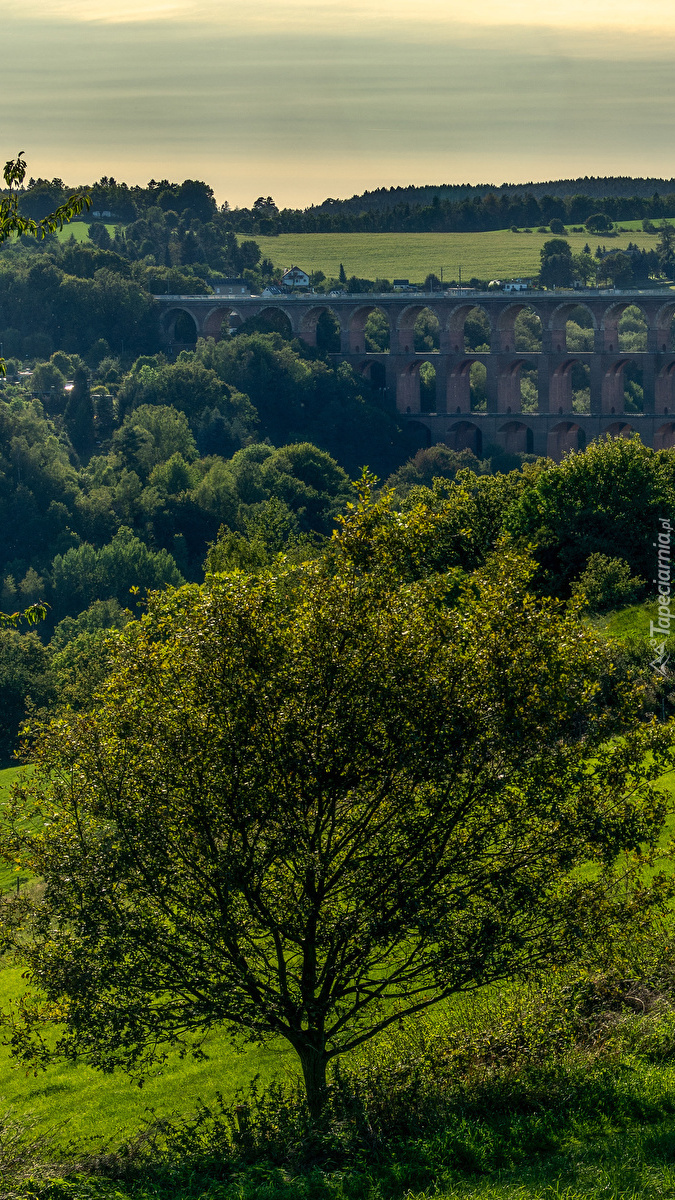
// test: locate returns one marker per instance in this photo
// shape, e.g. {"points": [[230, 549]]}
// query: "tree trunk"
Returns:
{"points": [[314, 1063]]}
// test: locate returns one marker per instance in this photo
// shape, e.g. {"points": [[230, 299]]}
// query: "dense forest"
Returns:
{"points": [[586, 185], [429, 209]]}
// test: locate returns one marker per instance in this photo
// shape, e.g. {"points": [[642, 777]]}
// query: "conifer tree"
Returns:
{"points": [[79, 413]]}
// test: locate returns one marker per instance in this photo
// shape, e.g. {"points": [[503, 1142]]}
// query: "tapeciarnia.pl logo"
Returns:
{"points": [[659, 631]]}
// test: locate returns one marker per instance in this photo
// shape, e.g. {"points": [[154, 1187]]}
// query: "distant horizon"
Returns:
{"points": [[306, 99], [646, 181]]}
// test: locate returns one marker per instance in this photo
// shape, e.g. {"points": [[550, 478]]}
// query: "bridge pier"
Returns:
{"points": [[458, 395]]}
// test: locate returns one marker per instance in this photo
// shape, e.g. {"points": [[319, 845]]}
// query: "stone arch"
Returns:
{"points": [[612, 392], [427, 332], [218, 316], [558, 325], [664, 438], [357, 327], [464, 435], [454, 332], [178, 322], [375, 372], [633, 385], [409, 390], [619, 429], [564, 437], [663, 326], [610, 325], [517, 438], [459, 387], [511, 333], [274, 319], [428, 387], [310, 325], [560, 387], [509, 396], [405, 327], [664, 390]]}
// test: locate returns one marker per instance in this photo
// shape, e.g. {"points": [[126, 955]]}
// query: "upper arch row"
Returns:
{"points": [[350, 322]]}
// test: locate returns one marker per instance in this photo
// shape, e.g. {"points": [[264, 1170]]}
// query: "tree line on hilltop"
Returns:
{"points": [[442, 209]]}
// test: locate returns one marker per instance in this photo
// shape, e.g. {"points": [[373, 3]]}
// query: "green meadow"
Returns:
{"points": [[81, 1103], [80, 231], [414, 255]]}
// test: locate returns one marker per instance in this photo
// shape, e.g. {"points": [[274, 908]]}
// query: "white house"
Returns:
{"points": [[517, 285], [295, 278]]}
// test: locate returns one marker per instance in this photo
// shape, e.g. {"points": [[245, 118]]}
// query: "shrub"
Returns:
{"points": [[607, 583]]}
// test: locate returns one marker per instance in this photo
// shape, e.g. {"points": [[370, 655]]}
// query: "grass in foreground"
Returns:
{"points": [[81, 1103], [563, 1091], [7, 777], [85, 1103]]}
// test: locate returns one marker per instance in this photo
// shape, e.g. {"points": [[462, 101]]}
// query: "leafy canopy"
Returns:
{"points": [[308, 803], [14, 222]]}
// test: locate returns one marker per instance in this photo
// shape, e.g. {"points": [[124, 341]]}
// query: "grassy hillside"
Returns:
{"points": [[80, 231], [413, 255], [85, 1103], [7, 778], [632, 621], [91, 1104]]}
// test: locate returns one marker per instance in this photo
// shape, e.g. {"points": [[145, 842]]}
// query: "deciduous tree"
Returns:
{"points": [[308, 804]]}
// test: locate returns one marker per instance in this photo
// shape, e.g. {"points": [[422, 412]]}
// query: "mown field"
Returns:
{"points": [[80, 231], [414, 255]]}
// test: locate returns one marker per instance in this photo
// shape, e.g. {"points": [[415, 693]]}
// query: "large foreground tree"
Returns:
{"points": [[307, 804]]}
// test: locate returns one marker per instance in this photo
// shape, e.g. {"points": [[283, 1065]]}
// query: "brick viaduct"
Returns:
{"points": [[553, 429]]}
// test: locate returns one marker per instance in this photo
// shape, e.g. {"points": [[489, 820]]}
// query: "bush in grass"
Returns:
{"points": [[607, 583]]}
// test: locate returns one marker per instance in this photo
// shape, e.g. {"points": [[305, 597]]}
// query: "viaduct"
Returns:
{"points": [[552, 429]]}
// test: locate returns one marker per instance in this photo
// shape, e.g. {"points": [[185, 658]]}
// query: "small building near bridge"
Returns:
{"points": [[231, 287], [295, 278]]}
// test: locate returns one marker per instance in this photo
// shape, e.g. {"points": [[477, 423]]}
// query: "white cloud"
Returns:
{"points": [[349, 16]]}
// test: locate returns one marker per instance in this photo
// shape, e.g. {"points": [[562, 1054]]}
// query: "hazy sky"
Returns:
{"points": [[304, 100]]}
